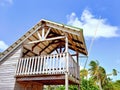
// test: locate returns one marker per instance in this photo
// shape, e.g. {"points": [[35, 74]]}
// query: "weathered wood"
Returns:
{"points": [[7, 70]]}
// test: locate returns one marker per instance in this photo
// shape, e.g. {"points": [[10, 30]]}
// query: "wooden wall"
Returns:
{"points": [[7, 71]]}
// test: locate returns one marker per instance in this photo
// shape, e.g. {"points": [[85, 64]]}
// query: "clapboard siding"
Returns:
{"points": [[7, 70]]}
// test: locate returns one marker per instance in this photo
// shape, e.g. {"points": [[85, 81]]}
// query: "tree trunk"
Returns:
{"points": [[99, 84]]}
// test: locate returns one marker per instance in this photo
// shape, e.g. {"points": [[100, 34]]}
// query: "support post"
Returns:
{"points": [[78, 69], [67, 67], [77, 57], [79, 87]]}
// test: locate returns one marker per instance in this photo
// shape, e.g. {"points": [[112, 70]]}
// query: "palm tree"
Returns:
{"points": [[114, 73], [84, 73], [98, 73]]}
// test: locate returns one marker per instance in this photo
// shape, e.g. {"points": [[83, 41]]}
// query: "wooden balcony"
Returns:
{"points": [[46, 67]]}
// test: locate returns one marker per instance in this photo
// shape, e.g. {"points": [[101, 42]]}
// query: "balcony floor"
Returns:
{"points": [[48, 79]]}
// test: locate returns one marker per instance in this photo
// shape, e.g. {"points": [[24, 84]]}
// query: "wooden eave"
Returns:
{"points": [[75, 39]]}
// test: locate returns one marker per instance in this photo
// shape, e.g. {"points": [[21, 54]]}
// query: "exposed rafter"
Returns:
{"points": [[28, 50]]}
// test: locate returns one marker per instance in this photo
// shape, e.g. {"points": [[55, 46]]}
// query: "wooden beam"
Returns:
{"points": [[57, 45], [77, 57], [72, 38], [29, 51], [38, 42], [57, 51], [43, 33], [77, 41], [47, 33], [80, 51], [34, 44], [48, 39], [39, 36]]}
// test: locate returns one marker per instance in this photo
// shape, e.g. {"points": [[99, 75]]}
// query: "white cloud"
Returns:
{"points": [[90, 25], [3, 46], [6, 2]]}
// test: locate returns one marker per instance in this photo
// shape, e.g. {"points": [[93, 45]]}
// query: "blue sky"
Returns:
{"points": [[102, 17]]}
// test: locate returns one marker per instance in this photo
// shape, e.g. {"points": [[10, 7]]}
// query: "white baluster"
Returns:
{"points": [[57, 64], [29, 66], [44, 57], [26, 66], [60, 63], [21, 66], [31, 71], [47, 58], [41, 61], [38, 64], [18, 67], [35, 63]]}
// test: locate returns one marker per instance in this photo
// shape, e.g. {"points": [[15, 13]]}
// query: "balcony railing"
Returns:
{"points": [[46, 65]]}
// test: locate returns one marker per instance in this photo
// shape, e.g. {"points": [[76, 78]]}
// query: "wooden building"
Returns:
{"points": [[43, 56]]}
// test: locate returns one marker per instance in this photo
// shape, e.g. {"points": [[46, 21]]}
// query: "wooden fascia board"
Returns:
{"points": [[84, 44]]}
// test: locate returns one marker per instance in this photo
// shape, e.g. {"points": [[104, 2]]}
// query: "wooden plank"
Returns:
{"points": [[7, 70]]}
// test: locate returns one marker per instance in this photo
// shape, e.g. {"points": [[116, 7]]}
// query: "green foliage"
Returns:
{"points": [[98, 79], [88, 85], [60, 88], [114, 72], [83, 73], [116, 85], [71, 87]]}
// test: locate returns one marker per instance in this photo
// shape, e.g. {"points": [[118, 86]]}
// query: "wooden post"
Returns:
{"points": [[77, 57], [78, 69], [67, 67], [79, 87]]}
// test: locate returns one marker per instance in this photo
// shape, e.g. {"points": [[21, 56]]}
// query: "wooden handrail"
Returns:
{"points": [[46, 64]]}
